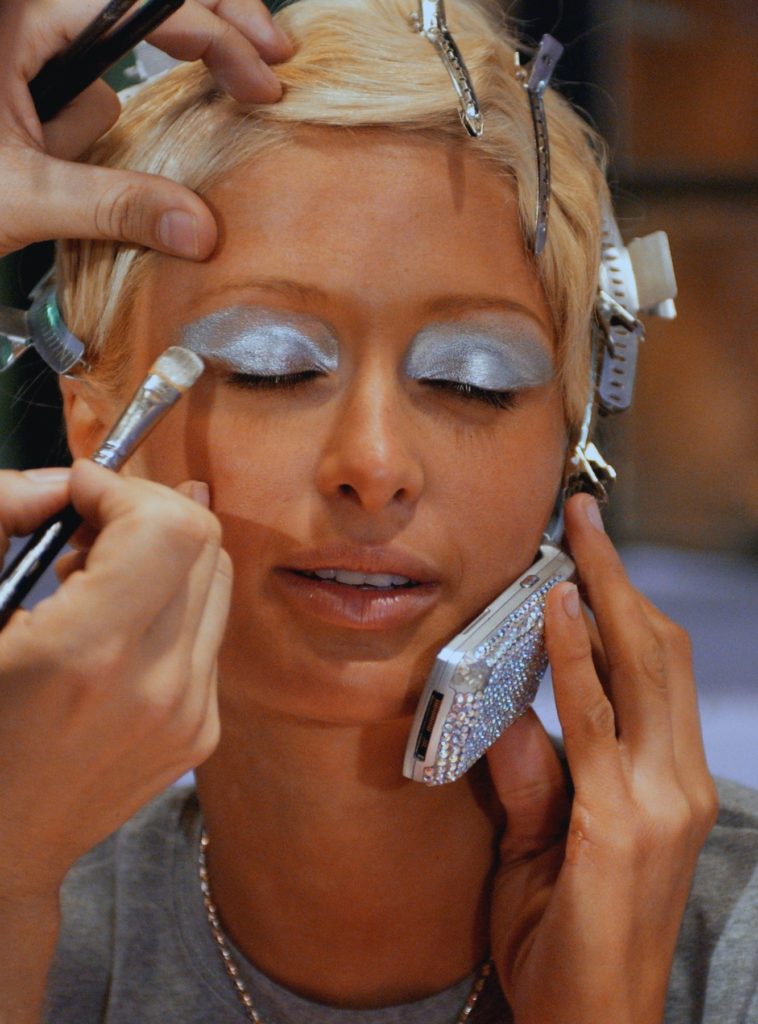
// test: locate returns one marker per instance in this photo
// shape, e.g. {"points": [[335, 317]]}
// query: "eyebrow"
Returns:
{"points": [[292, 289], [450, 304], [467, 303]]}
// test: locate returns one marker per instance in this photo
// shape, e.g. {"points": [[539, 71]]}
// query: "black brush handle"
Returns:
{"points": [[64, 78], [39, 552], [113, 11]]}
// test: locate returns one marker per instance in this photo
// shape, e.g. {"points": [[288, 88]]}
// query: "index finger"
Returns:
{"points": [[142, 524], [28, 498], [253, 19], [149, 541], [201, 31]]}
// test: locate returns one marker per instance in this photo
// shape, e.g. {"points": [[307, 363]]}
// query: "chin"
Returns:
{"points": [[329, 688]]}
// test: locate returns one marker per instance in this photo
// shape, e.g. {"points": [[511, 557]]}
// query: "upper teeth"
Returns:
{"points": [[361, 579]]}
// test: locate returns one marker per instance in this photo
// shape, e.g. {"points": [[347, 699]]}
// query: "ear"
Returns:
{"points": [[88, 413]]}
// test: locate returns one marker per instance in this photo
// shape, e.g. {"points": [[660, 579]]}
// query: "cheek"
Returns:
{"points": [[258, 476], [503, 495]]}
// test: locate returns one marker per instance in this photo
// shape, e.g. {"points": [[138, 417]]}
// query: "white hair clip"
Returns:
{"points": [[40, 327], [430, 22], [536, 77]]}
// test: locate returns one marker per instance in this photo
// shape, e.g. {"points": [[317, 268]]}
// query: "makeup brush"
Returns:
{"points": [[172, 373], [96, 49]]}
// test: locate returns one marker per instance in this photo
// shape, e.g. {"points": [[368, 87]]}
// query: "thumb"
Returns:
{"points": [[531, 785], [82, 201]]}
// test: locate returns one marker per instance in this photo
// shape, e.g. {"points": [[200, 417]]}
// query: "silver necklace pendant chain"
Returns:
{"points": [[232, 969]]}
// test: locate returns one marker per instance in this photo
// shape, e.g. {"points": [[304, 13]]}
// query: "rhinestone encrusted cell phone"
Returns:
{"points": [[485, 677]]}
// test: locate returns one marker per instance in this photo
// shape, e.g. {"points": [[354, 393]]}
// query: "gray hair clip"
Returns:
{"points": [[40, 327], [636, 278], [536, 78], [430, 21]]}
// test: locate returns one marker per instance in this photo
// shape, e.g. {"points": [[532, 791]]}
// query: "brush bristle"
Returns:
{"points": [[180, 367]]}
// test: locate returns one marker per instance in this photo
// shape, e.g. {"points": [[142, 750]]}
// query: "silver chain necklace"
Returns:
{"points": [[233, 970]]}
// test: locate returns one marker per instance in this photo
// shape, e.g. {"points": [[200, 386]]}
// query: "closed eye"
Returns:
{"points": [[469, 392], [271, 381]]}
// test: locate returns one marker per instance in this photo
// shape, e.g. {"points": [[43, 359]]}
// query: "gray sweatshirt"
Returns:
{"points": [[135, 946]]}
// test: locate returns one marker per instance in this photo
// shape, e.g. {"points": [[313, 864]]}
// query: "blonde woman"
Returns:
{"points": [[394, 382]]}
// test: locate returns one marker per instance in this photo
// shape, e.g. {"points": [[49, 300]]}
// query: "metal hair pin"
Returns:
{"points": [[430, 21], [40, 327], [536, 77]]}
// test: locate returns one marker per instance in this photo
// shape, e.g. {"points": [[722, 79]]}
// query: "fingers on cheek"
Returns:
{"points": [[586, 715]]}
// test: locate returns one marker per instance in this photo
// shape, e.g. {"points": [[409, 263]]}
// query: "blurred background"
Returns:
{"points": [[667, 82]]}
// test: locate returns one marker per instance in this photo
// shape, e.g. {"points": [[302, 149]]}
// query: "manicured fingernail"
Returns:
{"points": [[52, 476], [200, 493], [592, 512], [571, 601], [177, 232]]}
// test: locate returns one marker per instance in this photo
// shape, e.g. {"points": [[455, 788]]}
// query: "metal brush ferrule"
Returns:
{"points": [[154, 398]]}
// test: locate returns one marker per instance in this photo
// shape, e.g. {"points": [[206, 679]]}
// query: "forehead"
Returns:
{"points": [[380, 225]]}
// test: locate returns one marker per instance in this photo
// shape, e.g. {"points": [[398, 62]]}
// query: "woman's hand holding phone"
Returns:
{"points": [[48, 195], [591, 890]]}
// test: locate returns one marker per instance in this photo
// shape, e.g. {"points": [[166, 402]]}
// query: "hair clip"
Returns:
{"points": [[430, 22], [638, 278], [40, 327], [536, 77]]}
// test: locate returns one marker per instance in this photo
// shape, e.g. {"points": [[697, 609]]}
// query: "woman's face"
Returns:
{"points": [[380, 422]]}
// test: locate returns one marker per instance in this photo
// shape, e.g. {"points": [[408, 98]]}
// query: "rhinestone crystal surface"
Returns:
{"points": [[493, 685]]}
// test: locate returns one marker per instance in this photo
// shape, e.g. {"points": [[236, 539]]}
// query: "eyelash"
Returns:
{"points": [[277, 380], [471, 393]]}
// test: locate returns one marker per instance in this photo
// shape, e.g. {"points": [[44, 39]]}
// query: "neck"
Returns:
{"points": [[336, 876]]}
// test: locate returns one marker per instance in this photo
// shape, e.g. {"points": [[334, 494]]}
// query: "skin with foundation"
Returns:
{"points": [[382, 429]]}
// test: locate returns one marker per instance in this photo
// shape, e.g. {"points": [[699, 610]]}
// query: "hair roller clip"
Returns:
{"points": [[638, 278], [536, 77], [40, 327], [430, 22]]}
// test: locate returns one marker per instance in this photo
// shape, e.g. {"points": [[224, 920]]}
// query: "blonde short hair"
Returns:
{"points": [[356, 64]]}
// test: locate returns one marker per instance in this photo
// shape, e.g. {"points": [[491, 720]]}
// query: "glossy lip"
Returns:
{"points": [[355, 607]]}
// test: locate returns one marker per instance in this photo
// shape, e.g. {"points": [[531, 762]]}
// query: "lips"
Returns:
{"points": [[360, 588]]}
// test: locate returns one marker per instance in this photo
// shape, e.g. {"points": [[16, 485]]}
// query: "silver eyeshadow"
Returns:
{"points": [[487, 353], [263, 342]]}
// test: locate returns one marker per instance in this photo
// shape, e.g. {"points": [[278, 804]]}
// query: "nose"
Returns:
{"points": [[369, 459]]}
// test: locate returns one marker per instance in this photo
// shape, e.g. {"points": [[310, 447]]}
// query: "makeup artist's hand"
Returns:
{"points": [[47, 195], [107, 688], [590, 892]]}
